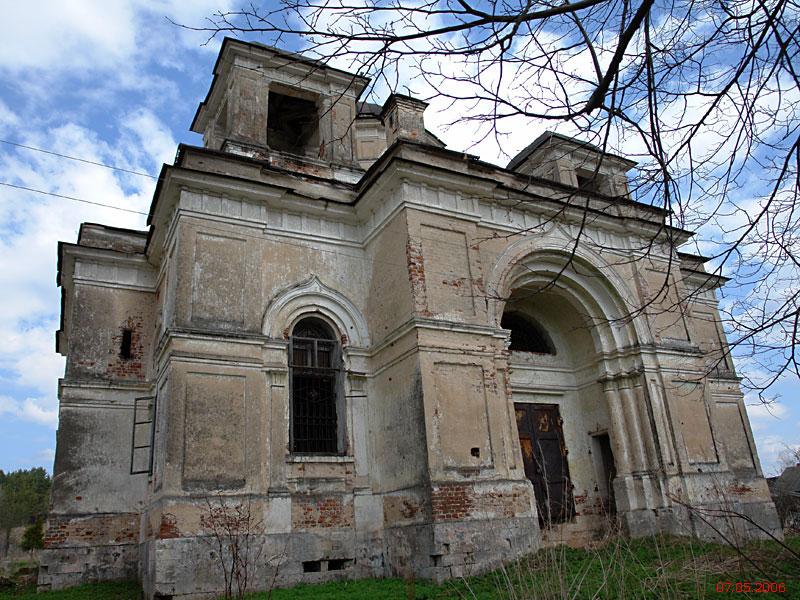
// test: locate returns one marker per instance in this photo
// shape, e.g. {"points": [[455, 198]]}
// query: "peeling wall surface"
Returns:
{"points": [[187, 383]]}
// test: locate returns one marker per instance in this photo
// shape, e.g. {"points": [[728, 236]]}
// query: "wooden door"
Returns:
{"points": [[544, 456]]}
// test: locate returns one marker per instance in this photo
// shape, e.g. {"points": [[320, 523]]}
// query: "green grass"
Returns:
{"points": [[372, 589], [648, 568], [658, 567], [117, 590]]}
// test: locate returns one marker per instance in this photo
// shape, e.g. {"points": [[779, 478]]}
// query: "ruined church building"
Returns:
{"points": [[388, 349]]}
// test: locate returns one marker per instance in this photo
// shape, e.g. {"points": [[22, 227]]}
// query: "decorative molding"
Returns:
{"points": [[318, 458], [536, 390], [280, 213], [133, 273], [309, 296]]}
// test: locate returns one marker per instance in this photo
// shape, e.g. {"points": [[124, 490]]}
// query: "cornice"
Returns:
{"points": [[480, 198]]}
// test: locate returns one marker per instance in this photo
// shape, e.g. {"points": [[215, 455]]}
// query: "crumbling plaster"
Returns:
{"points": [[412, 263]]}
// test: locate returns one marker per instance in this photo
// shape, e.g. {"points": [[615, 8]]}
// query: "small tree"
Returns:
{"points": [[235, 536], [24, 494], [33, 538]]}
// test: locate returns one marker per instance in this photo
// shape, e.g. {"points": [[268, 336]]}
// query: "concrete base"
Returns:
{"points": [[189, 567], [468, 548], [710, 521], [65, 567], [735, 522]]}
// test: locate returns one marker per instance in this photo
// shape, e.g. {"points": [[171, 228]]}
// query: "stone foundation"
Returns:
{"points": [[89, 548], [466, 548], [188, 567]]}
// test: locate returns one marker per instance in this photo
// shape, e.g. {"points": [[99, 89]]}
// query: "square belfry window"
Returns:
{"points": [[292, 124], [590, 181]]}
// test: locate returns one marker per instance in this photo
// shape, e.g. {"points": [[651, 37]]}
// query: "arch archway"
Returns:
{"points": [[335, 315], [569, 429], [553, 260], [288, 305]]}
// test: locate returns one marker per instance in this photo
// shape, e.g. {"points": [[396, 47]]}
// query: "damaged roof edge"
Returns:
{"points": [[473, 159], [526, 152], [696, 257], [112, 228]]}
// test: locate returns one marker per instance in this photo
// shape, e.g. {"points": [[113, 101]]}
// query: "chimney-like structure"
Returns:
{"points": [[403, 118]]}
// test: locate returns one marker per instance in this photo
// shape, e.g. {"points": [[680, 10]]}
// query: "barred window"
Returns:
{"points": [[314, 365]]}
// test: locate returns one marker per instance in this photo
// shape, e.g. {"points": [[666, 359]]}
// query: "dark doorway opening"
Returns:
{"points": [[544, 456], [607, 469]]}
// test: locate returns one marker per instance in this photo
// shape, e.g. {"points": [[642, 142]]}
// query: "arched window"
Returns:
{"points": [[314, 365], [526, 334]]}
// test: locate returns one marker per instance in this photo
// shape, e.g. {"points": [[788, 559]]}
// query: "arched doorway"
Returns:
{"points": [[615, 432], [561, 413]]}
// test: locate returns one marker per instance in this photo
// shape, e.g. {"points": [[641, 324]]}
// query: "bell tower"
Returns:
{"points": [[278, 106]]}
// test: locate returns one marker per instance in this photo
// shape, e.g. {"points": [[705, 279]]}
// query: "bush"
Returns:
{"points": [[33, 538]]}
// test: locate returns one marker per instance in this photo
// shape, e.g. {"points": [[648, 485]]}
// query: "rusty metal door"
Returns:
{"points": [[544, 455]]}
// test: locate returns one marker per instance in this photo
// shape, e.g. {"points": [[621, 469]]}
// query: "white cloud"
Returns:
{"points": [[38, 410], [191, 14], [31, 225], [69, 34], [37, 365], [8, 118], [86, 35], [152, 143], [761, 411], [774, 453], [112, 49]]}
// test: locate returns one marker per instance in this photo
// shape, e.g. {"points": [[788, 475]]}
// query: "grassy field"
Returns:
{"points": [[660, 567], [123, 590]]}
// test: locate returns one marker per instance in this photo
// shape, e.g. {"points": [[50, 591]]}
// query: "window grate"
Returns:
{"points": [[314, 370], [315, 422]]}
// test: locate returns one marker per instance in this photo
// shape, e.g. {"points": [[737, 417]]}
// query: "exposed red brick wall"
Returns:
{"points": [[65, 530], [507, 503], [740, 489], [133, 367], [416, 275], [310, 512], [455, 501], [451, 501], [169, 527], [586, 505]]}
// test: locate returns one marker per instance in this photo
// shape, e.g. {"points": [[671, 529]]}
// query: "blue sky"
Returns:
{"points": [[116, 83]]}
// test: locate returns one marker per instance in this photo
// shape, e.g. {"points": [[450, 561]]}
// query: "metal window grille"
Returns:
{"points": [[314, 366]]}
